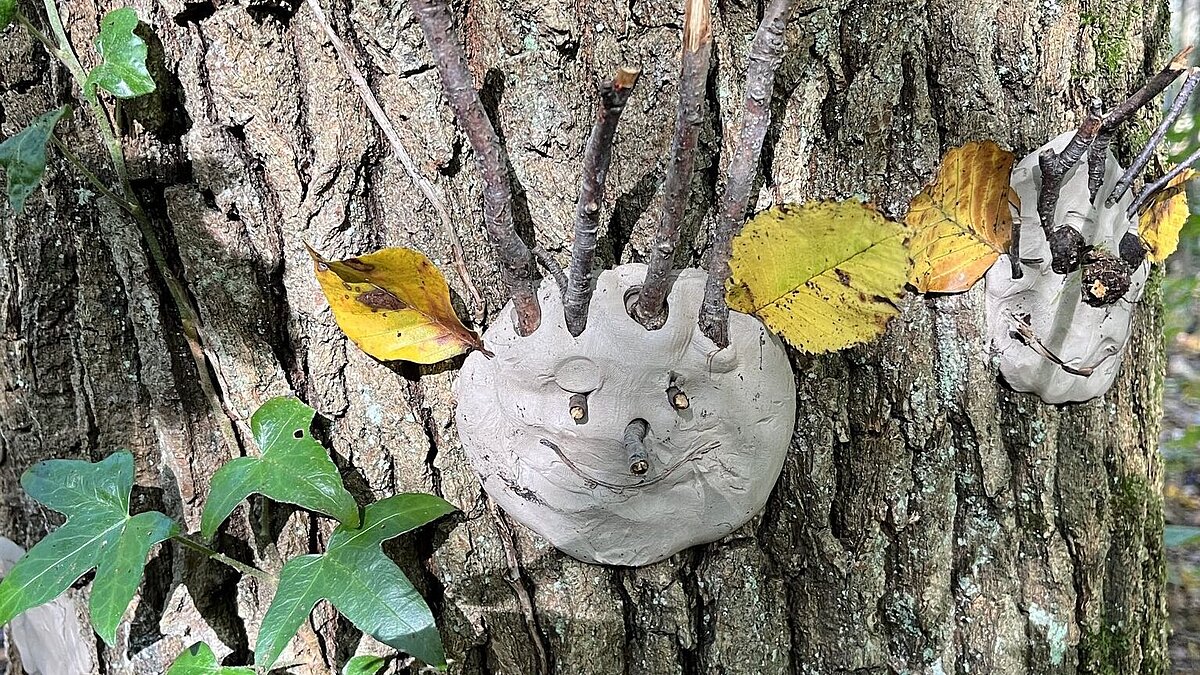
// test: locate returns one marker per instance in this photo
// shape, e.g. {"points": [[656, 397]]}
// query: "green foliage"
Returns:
{"points": [[122, 72], [361, 582], [363, 665], [1181, 536], [293, 468], [200, 660], [99, 533], [23, 156], [8, 9]]}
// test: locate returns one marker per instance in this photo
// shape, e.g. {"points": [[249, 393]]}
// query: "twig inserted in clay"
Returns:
{"points": [[1139, 163], [697, 47], [766, 53], [515, 262], [635, 446], [577, 294], [578, 408]]}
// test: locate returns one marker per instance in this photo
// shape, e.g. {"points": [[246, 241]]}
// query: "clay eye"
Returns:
{"points": [[677, 398]]}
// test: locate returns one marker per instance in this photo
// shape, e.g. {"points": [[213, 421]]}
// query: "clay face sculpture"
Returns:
{"points": [[716, 423], [1050, 307]]}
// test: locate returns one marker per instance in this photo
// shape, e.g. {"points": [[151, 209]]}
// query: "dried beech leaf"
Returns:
{"points": [[395, 305], [1165, 215], [962, 221], [823, 276]]}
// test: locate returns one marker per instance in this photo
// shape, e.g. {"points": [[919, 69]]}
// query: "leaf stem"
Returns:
{"points": [[91, 177], [188, 314], [242, 567]]}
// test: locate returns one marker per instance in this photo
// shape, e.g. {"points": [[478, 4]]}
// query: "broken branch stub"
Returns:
{"points": [[693, 74], [578, 291], [766, 53], [515, 261]]}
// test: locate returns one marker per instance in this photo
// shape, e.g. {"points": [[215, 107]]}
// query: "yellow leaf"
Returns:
{"points": [[822, 276], [395, 305], [1160, 223], [962, 222]]}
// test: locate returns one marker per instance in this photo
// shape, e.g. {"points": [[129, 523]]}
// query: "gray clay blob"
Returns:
{"points": [[1080, 335], [712, 465]]}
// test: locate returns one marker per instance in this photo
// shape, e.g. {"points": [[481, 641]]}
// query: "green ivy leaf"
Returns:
{"points": [[293, 468], [363, 665], [8, 9], [361, 582], [200, 660], [99, 533], [122, 72], [23, 156]]}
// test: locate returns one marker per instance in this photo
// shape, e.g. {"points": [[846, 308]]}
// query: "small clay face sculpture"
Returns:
{"points": [[625, 445], [1046, 310]]}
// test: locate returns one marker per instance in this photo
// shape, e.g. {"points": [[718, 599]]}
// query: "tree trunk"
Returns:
{"points": [[928, 518]]}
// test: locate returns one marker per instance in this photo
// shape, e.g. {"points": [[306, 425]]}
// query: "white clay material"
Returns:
{"points": [[712, 465], [50, 638], [1080, 335]]}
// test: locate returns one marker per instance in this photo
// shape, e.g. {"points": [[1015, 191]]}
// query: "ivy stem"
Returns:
{"points": [[242, 567], [188, 315], [91, 177]]}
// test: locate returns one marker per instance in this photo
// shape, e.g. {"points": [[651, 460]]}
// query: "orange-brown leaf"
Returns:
{"points": [[395, 305], [962, 221], [1159, 225]]}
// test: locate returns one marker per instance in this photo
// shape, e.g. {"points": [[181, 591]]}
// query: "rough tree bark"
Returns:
{"points": [[928, 518]]}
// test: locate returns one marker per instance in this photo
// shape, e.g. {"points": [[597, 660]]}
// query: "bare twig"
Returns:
{"points": [[398, 149], [766, 53], [515, 263], [1139, 163], [635, 446], [1152, 88], [1150, 190], [677, 398], [1065, 242], [577, 294], [693, 73], [1024, 332], [551, 265], [579, 408], [1014, 249]]}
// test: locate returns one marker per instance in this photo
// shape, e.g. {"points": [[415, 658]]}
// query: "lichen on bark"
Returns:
{"points": [[925, 509]]}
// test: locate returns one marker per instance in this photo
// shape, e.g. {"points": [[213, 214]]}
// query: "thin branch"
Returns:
{"points": [[401, 153], [1139, 163], [1177, 65], [1150, 190], [577, 294], [516, 268], [1025, 334], [693, 74], [766, 53], [1055, 165], [551, 265]]}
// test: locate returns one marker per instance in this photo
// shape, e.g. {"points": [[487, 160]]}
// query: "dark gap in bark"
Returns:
{"points": [[212, 587], [157, 580], [281, 11], [345, 642], [195, 12], [454, 165], [628, 209], [691, 660], [629, 610], [416, 402]]}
